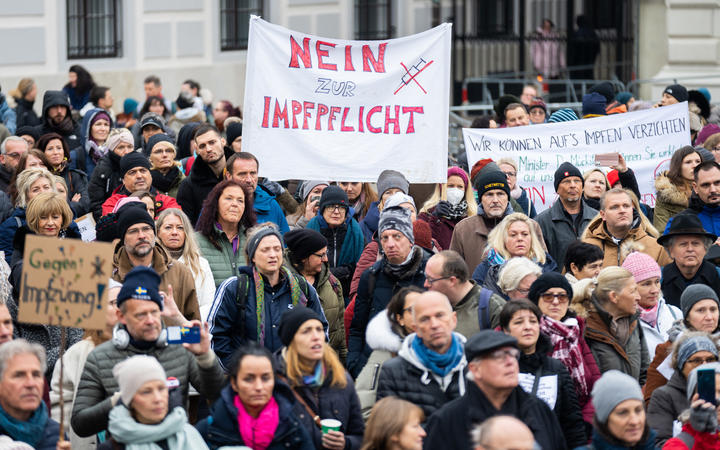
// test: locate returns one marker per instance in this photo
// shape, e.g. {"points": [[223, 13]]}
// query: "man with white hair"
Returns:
{"points": [[24, 416], [11, 150]]}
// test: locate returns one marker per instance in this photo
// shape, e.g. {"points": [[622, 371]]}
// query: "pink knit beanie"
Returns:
{"points": [[642, 266]]}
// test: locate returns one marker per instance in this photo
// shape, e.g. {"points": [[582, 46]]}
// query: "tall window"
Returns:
{"points": [[235, 22], [495, 17], [372, 19], [93, 28]]}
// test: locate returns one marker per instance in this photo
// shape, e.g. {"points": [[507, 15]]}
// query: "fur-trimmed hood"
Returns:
{"points": [[380, 336], [668, 192]]}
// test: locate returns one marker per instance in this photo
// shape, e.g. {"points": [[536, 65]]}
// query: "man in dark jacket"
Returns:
{"points": [[494, 390], [687, 243], [11, 150], [23, 416], [206, 172], [243, 168], [56, 118], [402, 264], [106, 176], [140, 332], [566, 220], [429, 370]]}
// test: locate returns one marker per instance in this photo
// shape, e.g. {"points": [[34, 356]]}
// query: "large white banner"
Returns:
{"points": [[320, 108], [646, 139]]}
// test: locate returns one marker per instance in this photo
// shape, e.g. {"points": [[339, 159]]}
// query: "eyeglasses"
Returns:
{"points": [[143, 230], [697, 361], [321, 255], [550, 298], [522, 291], [335, 208], [715, 149], [431, 280], [510, 174], [14, 155], [502, 354]]}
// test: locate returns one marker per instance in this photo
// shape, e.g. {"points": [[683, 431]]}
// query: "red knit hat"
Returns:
{"points": [[642, 266], [613, 177], [478, 166]]}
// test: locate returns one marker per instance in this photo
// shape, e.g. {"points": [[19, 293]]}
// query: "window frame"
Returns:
{"points": [[83, 28], [234, 43]]}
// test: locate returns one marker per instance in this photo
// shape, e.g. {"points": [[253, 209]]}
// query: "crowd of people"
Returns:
{"points": [[357, 315]]}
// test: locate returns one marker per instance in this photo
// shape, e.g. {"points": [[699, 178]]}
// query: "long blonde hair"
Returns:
{"points": [[496, 238], [295, 369], [440, 193], [26, 178], [610, 279], [190, 250], [387, 420]]}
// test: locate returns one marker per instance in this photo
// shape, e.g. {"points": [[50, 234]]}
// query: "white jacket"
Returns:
{"points": [[667, 315], [204, 286]]}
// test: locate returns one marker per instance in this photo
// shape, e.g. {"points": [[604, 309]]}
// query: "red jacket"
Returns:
{"points": [[162, 201], [703, 441]]}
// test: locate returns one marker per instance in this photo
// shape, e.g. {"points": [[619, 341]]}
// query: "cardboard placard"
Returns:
{"points": [[64, 282]]}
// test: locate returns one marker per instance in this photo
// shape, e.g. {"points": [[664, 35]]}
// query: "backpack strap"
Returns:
{"points": [[18, 221], [241, 291], [484, 308], [686, 439]]}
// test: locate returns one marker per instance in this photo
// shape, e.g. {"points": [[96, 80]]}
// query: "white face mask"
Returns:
{"points": [[455, 195]]}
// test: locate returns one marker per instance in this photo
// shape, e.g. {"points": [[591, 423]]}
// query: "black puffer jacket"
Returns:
{"points": [[329, 402], [221, 427], [196, 187], [405, 377], [105, 179], [567, 408], [72, 134]]}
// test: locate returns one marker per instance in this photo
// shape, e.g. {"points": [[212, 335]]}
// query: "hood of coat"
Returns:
{"points": [[380, 336], [54, 98], [87, 120], [669, 193]]}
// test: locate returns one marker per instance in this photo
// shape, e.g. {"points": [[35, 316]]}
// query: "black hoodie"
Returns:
{"points": [[68, 128]]}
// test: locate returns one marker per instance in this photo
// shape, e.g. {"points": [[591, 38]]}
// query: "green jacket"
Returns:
{"points": [[93, 400], [467, 312], [330, 294], [223, 262]]}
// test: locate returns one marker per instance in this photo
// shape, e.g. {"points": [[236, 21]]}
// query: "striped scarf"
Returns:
{"points": [[296, 296], [566, 348]]}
